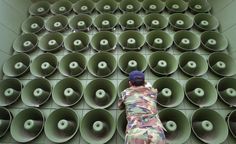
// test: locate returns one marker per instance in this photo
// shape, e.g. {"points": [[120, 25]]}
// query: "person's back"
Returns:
{"points": [[143, 123]]}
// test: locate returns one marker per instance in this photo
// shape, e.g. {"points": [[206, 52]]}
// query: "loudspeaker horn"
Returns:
{"points": [[130, 6], [73, 64], [206, 22], [123, 85], [10, 91], [57, 23], [61, 7], [155, 21], [186, 40], [100, 96], [105, 22], [51, 42], [81, 22], [97, 126], [5, 121], [106, 6], [102, 64], [44, 65], [61, 125], [130, 21], [163, 63], [131, 61], [16, 65], [209, 126], [222, 64], [200, 92], [171, 93], [159, 40], [34, 24], [226, 88], [214, 41], [25, 43], [177, 126], [131, 40], [199, 6], [77, 42], [179, 21], [176, 6], [121, 124], [67, 92], [84, 6], [193, 64], [40, 8], [104, 41], [231, 117], [151, 6], [36, 93], [27, 125]]}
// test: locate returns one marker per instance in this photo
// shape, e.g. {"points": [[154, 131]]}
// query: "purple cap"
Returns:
{"points": [[136, 76]]}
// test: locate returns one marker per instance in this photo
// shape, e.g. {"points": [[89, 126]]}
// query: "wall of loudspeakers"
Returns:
{"points": [[71, 62]]}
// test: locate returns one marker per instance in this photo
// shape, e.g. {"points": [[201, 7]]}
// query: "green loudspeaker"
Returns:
{"points": [[106, 6], [61, 125], [100, 93], [105, 22], [193, 64], [10, 91], [151, 6], [163, 63], [76, 42], [177, 126], [199, 6], [226, 88], [209, 126], [131, 61], [39, 8], [176, 6], [130, 6], [25, 43], [102, 64], [200, 92], [97, 126], [33, 24], [123, 85], [104, 41], [61, 7], [57, 23], [27, 125], [5, 121], [231, 120], [67, 92], [73, 64], [44, 65], [131, 40], [51, 42], [206, 22], [171, 93], [130, 21], [159, 40], [16, 65], [214, 41], [36, 92], [222, 64], [180, 21], [155, 21], [121, 124], [81, 22], [186, 40], [84, 6]]}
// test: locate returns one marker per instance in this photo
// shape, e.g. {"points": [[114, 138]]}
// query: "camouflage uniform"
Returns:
{"points": [[143, 123]]}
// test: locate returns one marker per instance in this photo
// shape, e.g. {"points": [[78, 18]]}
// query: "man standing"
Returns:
{"points": [[143, 123]]}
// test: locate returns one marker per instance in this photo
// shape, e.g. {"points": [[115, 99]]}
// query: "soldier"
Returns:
{"points": [[143, 123]]}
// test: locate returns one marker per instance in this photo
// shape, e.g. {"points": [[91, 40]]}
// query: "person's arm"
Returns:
{"points": [[121, 104]]}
